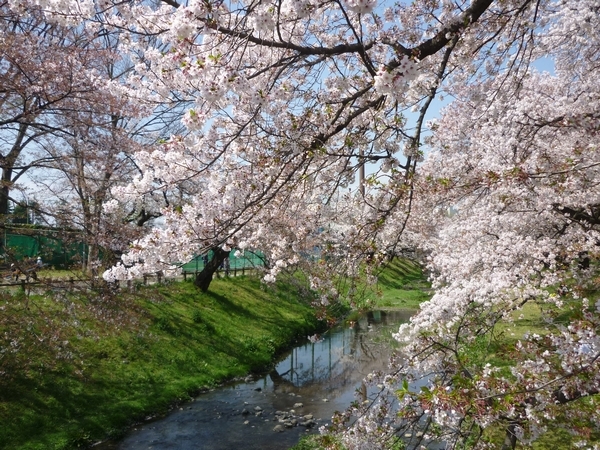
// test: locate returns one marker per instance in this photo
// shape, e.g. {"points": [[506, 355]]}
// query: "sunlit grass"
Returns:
{"points": [[402, 284]]}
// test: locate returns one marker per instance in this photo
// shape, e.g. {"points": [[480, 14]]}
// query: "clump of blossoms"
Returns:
{"points": [[193, 120], [298, 8], [361, 6], [395, 82], [262, 20]]}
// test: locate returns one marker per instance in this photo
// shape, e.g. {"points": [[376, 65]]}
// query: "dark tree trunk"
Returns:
{"points": [[7, 163], [204, 278], [510, 438], [5, 191]]}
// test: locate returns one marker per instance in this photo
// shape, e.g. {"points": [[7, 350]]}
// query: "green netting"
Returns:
{"points": [[53, 251], [60, 254], [22, 247], [247, 259]]}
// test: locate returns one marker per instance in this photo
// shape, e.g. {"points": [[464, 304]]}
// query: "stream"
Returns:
{"points": [[272, 412]]}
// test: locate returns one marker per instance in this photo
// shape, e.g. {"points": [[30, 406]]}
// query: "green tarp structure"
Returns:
{"points": [[30, 243], [246, 260]]}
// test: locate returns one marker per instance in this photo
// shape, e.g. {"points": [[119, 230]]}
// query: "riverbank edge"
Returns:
{"points": [[172, 325]]}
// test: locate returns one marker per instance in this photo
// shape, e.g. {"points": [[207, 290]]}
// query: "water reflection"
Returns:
{"points": [[313, 380]]}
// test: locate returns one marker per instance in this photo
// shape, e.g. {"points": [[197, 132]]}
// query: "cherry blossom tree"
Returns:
{"points": [[291, 98], [69, 123], [101, 133], [77, 182], [41, 71]]}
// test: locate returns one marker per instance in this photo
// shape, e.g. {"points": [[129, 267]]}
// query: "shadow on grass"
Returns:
{"points": [[402, 274], [72, 422]]}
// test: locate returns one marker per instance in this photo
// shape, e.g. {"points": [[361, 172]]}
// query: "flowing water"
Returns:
{"points": [[306, 387]]}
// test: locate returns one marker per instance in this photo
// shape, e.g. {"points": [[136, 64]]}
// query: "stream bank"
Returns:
{"points": [[273, 411], [107, 361]]}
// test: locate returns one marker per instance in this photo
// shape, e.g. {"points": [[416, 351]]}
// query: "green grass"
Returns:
{"points": [[61, 274], [318, 442], [85, 367], [402, 284]]}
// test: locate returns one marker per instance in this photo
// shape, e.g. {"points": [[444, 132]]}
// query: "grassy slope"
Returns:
{"points": [[402, 284], [92, 365]]}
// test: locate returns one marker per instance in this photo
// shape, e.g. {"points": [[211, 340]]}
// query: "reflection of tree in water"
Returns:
{"points": [[280, 382], [344, 358]]}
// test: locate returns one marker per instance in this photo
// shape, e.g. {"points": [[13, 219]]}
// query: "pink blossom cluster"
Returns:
{"points": [[361, 6], [395, 82], [262, 20]]}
